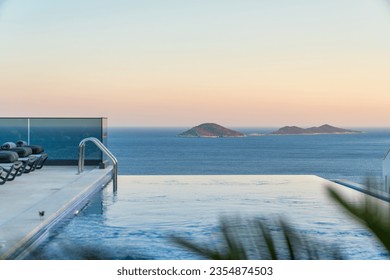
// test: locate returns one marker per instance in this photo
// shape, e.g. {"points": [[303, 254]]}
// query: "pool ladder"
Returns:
{"points": [[104, 149]]}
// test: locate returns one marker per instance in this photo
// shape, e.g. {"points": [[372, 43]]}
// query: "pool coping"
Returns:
{"points": [[364, 189]]}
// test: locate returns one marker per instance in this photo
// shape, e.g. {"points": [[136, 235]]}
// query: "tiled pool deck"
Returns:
{"points": [[57, 190]]}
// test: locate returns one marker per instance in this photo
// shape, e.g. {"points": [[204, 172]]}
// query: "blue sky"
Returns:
{"points": [[167, 63]]}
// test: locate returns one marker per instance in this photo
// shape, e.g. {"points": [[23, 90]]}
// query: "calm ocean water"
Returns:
{"points": [[158, 151]]}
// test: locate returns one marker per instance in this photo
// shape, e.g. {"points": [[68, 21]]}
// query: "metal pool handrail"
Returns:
{"points": [[104, 149]]}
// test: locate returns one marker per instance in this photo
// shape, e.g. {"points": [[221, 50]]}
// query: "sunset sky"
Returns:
{"points": [[184, 62]]}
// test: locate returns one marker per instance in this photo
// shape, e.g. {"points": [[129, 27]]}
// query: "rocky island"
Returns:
{"points": [[210, 130], [323, 129]]}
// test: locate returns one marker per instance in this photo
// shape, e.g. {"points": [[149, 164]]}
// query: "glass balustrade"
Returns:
{"points": [[60, 137]]}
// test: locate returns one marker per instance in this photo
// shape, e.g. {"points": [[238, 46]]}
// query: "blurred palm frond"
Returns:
{"points": [[258, 239], [369, 212]]}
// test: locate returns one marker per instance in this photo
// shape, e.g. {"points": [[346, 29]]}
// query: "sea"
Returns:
{"points": [[159, 151]]}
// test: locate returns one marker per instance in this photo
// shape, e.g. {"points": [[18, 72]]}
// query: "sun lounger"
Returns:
{"points": [[41, 159], [10, 171], [16, 159], [24, 154], [3, 178], [27, 152], [10, 166], [37, 151], [29, 164]]}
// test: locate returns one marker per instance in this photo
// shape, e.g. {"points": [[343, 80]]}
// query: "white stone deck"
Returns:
{"points": [[56, 190]]}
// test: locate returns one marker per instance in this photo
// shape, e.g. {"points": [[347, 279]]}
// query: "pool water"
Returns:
{"points": [[141, 219]]}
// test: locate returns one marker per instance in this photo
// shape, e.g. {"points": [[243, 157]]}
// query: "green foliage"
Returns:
{"points": [[370, 212], [256, 239]]}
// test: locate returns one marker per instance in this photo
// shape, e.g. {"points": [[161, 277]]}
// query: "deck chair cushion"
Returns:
{"points": [[36, 149], [8, 145], [8, 156], [22, 151], [21, 143]]}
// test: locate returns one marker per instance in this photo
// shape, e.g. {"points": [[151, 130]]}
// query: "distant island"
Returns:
{"points": [[215, 130], [323, 129], [210, 130]]}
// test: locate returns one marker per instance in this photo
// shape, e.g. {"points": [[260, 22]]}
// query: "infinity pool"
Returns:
{"points": [[139, 222]]}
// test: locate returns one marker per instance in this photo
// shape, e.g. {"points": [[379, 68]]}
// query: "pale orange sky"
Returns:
{"points": [[181, 63]]}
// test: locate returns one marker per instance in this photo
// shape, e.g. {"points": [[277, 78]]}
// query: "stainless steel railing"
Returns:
{"points": [[106, 152]]}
